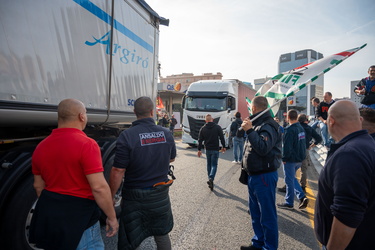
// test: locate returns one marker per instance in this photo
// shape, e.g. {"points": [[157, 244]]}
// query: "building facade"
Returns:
{"points": [[302, 98]]}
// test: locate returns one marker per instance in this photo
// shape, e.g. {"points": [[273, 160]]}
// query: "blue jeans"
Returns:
{"points": [[262, 198], [327, 140], [212, 159], [368, 106], [238, 148], [91, 239], [292, 184]]}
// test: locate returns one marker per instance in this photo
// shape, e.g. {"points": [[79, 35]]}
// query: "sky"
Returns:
{"points": [[243, 39]]}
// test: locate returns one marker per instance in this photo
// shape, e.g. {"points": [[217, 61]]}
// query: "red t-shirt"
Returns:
{"points": [[64, 159]]}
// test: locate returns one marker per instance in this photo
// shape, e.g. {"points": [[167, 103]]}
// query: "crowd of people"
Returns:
{"points": [[167, 122], [70, 184]]}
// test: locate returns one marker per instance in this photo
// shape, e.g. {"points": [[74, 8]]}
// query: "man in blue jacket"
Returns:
{"points": [[345, 204], [294, 152], [210, 134], [262, 158]]}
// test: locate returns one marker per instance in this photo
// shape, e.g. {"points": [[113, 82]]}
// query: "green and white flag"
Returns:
{"points": [[288, 83]]}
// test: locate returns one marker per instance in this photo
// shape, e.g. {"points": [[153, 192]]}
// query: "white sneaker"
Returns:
{"points": [[234, 161], [239, 162]]}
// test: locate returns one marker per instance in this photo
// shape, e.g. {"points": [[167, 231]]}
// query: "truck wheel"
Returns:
{"points": [[107, 170], [17, 216]]}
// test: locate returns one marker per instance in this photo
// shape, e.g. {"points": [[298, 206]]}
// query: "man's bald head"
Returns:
{"points": [[143, 107], [343, 119], [69, 109], [209, 118], [71, 114]]}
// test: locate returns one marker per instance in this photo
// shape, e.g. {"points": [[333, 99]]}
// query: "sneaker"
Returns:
{"points": [[210, 183], [284, 206], [234, 161], [251, 247], [303, 203], [283, 189]]}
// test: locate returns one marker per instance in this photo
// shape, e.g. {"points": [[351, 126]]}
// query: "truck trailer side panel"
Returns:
{"points": [[243, 92], [51, 50]]}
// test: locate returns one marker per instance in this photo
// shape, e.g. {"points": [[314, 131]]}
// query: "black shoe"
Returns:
{"points": [[284, 206], [283, 189], [303, 203], [210, 183], [251, 247]]}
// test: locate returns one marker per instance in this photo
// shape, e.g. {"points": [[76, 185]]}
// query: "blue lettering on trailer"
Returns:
{"points": [[89, 6], [126, 55]]}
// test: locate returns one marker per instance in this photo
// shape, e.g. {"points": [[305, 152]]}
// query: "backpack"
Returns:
{"points": [[239, 133]]}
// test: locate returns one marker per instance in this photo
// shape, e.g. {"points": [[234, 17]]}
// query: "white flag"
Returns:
{"points": [[290, 82]]}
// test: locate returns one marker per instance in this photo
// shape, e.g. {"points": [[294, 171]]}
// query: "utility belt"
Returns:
{"points": [[168, 182]]}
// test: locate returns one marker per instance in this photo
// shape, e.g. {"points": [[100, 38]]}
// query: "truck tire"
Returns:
{"points": [[17, 216], [107, 170]]}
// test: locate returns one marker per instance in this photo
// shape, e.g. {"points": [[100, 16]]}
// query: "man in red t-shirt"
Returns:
{"points": [[69, 181]]}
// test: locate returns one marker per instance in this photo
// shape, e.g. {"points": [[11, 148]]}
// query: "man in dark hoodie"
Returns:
{"points": [[310, 134], [210, 134], [262, 158]]}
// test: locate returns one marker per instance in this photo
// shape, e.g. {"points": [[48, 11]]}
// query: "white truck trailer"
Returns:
{"points": [[104, 53], [220, 98]]}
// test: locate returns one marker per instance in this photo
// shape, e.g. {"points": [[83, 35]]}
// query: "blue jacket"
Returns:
{"points": [[262, 153], [369, 97], [346, 190], [294, 149]]}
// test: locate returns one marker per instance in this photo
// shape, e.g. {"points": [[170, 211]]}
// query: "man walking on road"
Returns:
{"points": [[210, 134], [262, 158], [69, 181], [143, 154], [345, 204], [294, 152]]}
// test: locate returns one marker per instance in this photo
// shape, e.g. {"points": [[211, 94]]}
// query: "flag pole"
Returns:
{"points": [[268, 109]]}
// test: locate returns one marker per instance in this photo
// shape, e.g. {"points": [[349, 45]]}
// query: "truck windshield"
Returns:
{"points": [[205, 103]]}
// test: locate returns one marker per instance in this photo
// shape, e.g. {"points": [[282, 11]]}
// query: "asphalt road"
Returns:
{"points": [[219, 219]]}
